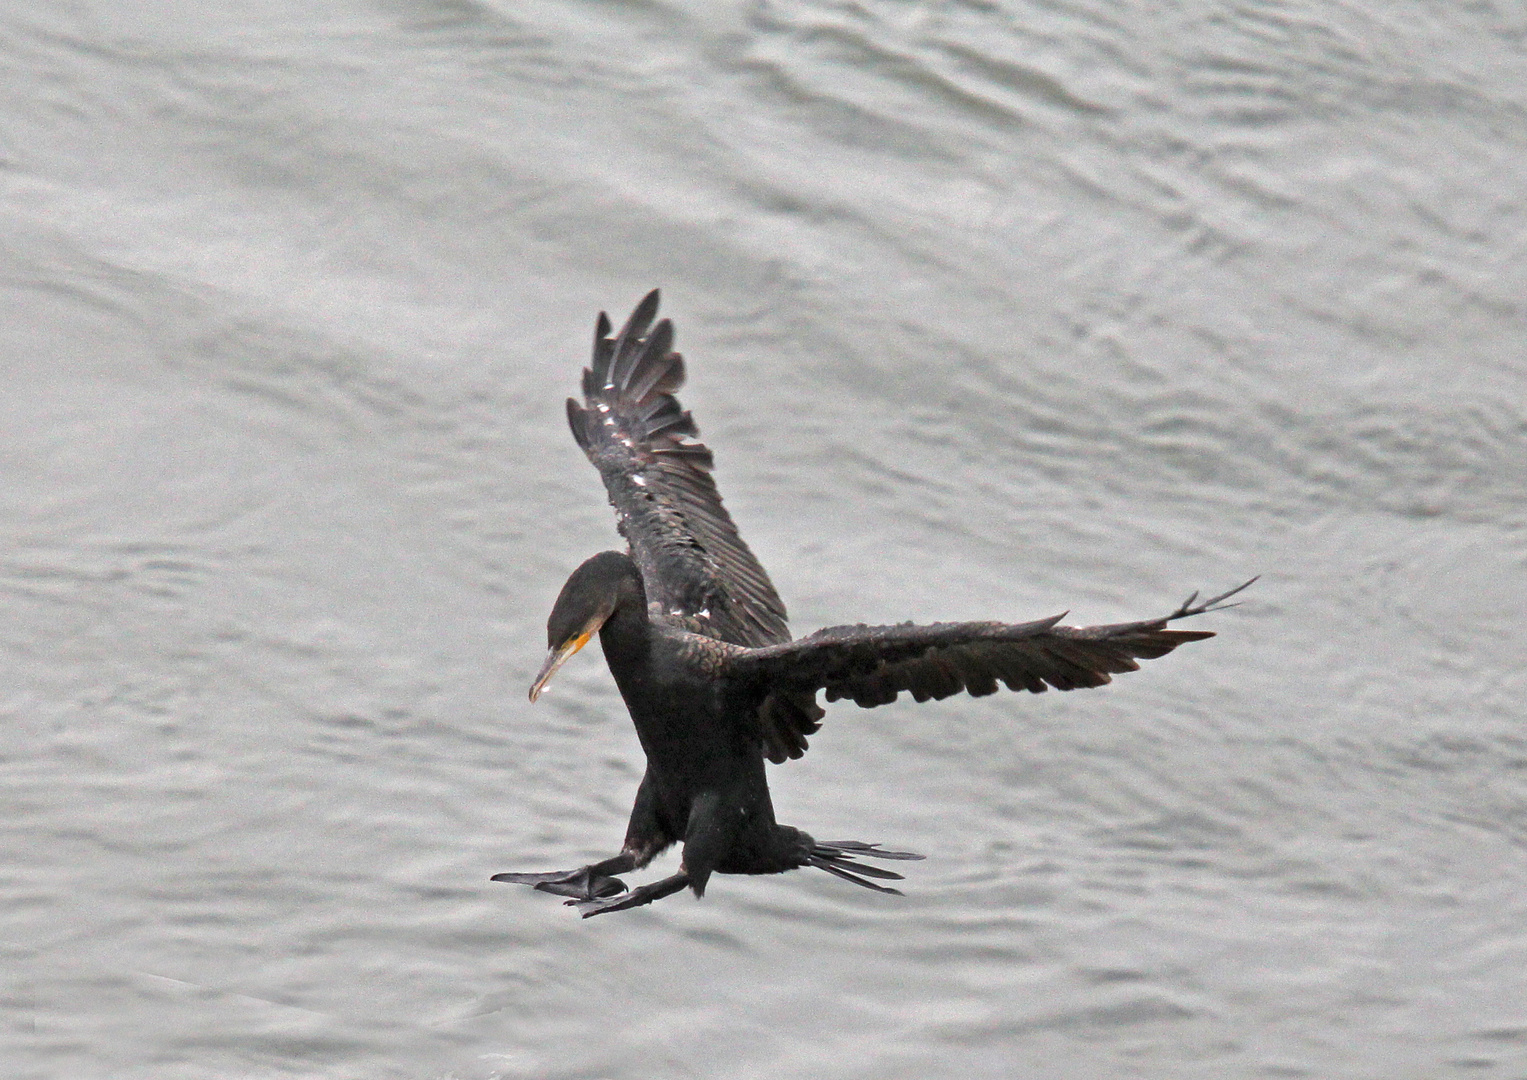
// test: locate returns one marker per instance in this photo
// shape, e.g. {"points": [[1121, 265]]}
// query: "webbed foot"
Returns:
{"points": [[642, 894], [582, 884]]}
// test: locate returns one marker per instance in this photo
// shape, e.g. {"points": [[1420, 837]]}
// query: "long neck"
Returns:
{"points": [[626, 634]]}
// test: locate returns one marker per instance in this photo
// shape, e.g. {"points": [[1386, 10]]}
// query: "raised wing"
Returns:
{"points": [[694, 565], [871, 665]]}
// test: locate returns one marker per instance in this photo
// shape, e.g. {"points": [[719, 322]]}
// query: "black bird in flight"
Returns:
{"points": [[695, 636]]}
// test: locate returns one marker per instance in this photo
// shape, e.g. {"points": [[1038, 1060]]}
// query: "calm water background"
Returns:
{"points": [[992, 310]]}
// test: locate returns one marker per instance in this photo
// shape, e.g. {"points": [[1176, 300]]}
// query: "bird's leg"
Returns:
{"points": [[645, 837], [642, 894], [707, 841]]}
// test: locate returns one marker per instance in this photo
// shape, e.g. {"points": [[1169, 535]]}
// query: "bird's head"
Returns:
{"points": [[592, 594]]}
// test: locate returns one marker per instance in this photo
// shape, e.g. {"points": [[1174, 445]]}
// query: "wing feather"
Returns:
{"points": [[694, 565], [872, 665]]}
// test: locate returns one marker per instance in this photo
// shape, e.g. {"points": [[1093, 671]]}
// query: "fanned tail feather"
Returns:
{"points": [[837, 858]]}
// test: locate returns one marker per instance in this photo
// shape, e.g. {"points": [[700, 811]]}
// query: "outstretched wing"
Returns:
{"points": [[871, 665], [694, 565]]}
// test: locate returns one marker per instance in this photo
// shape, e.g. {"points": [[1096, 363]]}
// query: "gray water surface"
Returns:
{"points": [[992, 310]]}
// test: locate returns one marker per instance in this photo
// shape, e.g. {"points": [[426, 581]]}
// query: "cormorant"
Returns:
{"points": [[695, 636]]}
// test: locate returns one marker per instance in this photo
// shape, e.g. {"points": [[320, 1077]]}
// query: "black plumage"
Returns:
{"points": [[696, 638]]}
